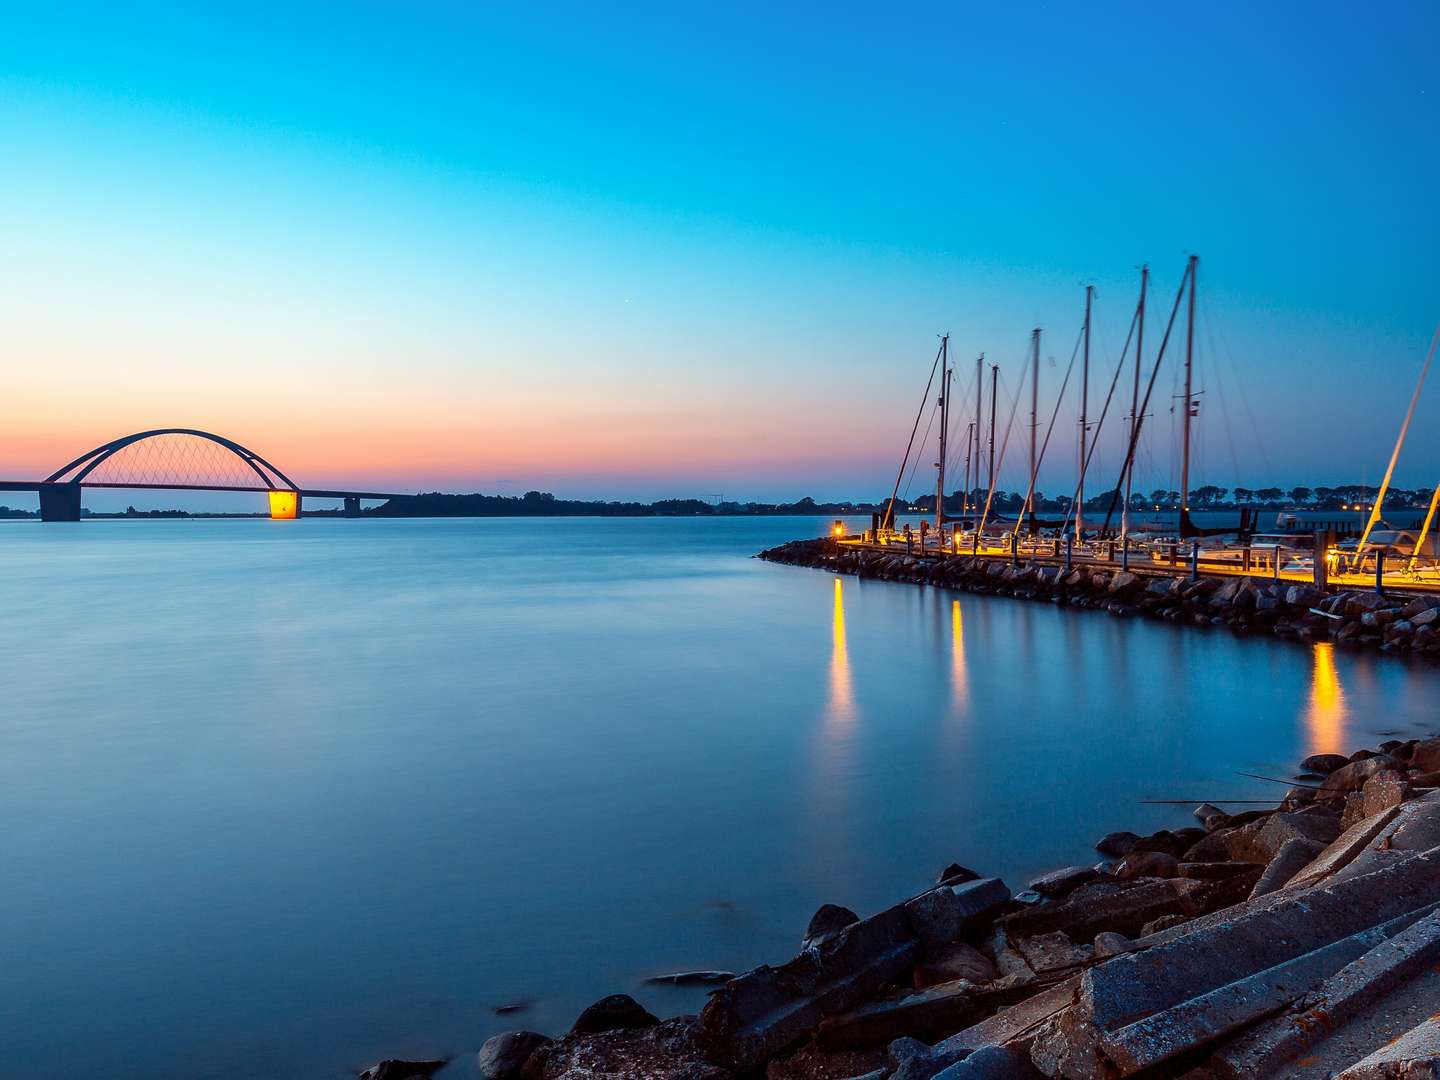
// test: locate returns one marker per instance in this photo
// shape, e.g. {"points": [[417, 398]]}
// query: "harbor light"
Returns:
{"points": [[838, 529]]}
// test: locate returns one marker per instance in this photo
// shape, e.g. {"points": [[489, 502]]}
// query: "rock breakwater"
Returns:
{"points": [[1351, 619]]}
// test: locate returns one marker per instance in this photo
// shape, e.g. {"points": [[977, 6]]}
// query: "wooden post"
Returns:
{"points": [[1322, 545], [1124, 551], [1194, 560], [1069, 552], [1245, 559], [1380, 572]]}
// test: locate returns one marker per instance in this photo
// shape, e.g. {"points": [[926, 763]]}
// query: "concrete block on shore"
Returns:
{"points": [[938, 1008], [1140, 1009], [1059, 882], [1359, 985], [1294, 855], [1124, 907], [943, 914], [751, 1018], [1344, 849], [1383, 791], [992, 1063], [1413, 1056]]}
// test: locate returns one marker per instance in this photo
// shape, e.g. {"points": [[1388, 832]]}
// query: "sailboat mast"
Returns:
{"points": [[944, 425], [994, 376], [1134, 401], [969, 458], [979, 403], [1034, 418], [1084, 408], [1189, 404]]}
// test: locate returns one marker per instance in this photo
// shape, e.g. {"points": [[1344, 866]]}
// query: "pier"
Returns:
{"points": [[1271, 560]]}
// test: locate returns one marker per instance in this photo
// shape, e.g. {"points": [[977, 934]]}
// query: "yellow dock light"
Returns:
{"points": [[838, 529]]}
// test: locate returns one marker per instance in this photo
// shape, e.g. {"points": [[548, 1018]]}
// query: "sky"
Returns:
{"points": [[630, 251]]}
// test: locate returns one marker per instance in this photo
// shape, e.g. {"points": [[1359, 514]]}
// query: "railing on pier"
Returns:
{"points": [[1275, 561]]}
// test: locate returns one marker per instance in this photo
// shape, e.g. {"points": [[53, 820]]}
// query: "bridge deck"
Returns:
{"points": [[306, 493]]}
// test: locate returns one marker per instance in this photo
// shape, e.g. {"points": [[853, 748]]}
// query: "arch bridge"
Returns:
{"points": [[183, 459]]}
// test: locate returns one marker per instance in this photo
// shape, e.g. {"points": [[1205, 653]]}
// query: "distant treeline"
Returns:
{"points": [[1209, 497], [543, 504]]}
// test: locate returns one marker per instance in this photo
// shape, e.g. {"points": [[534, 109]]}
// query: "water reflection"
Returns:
{"points": [[957, 654], [1327, 713], [842, 698]]}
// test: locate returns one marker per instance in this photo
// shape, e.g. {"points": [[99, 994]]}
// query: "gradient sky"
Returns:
{"points": [[691, 249]]}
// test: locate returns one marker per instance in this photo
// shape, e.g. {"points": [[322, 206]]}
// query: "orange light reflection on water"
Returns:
{"points": [[842, 700], [1327, 712], [957, 654]]}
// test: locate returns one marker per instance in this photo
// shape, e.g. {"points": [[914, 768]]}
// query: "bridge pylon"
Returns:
{"points": [[59, 502]]}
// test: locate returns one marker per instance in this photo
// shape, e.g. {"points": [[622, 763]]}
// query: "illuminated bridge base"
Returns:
{"points": [[284, 505]]}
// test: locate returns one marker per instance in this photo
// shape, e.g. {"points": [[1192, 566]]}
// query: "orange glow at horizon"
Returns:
{"points": [[1327, 711]]}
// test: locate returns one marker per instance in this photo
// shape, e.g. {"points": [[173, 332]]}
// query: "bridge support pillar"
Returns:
{"points": [[60, 502], [284, 505], [352, 507]]}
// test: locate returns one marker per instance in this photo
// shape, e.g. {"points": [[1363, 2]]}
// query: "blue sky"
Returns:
{"points": [[653, 251]]}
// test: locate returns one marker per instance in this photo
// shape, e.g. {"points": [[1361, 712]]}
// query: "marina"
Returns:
{"points": [[1329, 556]]}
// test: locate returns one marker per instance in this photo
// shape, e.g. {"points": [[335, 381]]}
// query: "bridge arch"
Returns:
{"points": [[271, 478]]}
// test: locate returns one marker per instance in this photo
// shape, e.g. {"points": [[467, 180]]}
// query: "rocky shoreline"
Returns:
{"points": [[1350, 619], [1297, 941]]}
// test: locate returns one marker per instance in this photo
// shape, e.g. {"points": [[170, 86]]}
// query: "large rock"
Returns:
{"points": [[1048, 953], [1067, 879], [1117, 844], [828, 921], [1426, 756], [1294, 855], [1124, 907], [1324, 763], [943, 914], [992, 1063], [1353, 776], [951, 962], [618, 1012], [955, 874], [502, 1057], [764, 1011], [1122, 582], [1139, 864], [1383, 791], [936, 1010]]}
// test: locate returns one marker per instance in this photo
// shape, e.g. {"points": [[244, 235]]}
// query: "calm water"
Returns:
{"points": [[283, 798]]}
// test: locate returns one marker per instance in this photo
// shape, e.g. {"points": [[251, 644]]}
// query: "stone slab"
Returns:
{"points": [[1413, 1056], [1128, 989], [1356, 987], [941, 915]]}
